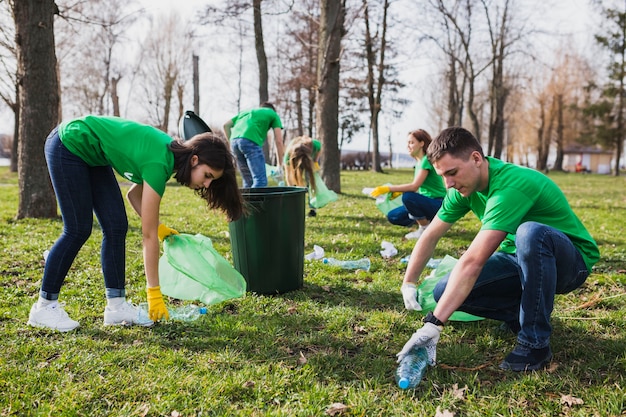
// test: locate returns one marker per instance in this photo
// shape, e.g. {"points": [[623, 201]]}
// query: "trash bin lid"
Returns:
{"points": [[190, 125], [272, 191]]}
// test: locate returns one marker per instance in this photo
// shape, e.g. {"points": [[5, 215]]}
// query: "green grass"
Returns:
{"points": [[333, 341]]}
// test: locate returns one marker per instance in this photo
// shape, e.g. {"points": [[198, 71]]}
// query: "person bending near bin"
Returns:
{"points": [[81, 155], [247, 133], [530, 247], [301, 162], [421, 198]]}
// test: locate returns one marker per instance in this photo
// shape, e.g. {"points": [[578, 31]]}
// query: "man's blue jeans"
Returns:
{"points": [[251, 162], [522, 287], [414, 206], [82, 190]]}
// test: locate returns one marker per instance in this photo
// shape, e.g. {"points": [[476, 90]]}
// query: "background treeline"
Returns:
{"points": [[525, 85]]}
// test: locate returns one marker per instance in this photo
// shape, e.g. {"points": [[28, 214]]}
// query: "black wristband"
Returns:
{"points": [[430, 318]]}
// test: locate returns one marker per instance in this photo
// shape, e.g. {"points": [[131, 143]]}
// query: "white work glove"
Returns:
{"points": [[409, 294], [426, 337]]}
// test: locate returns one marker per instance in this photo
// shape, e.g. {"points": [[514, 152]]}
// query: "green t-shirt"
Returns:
{"points": [[433, 186], [317, 147], [254, 124], [516, 195], [137, 152]]}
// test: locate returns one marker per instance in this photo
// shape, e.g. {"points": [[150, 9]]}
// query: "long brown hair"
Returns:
{"points": [[422, 136], [212, 150], [299, 167]]}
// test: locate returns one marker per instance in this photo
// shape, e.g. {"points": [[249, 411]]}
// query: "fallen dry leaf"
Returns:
{"points": [[360, 329], [570, 400], [444, 413], [302, 359], [336, 409], [457, 393]]}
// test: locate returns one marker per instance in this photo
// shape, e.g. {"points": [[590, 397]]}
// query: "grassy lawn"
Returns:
{"points": [[301, 353]]}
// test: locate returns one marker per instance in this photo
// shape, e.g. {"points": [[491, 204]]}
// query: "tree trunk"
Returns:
{"points": [[115, 98], [39, 103], [16, 129], [560, 140], [331, 31], [260, 51], [196, 84]]}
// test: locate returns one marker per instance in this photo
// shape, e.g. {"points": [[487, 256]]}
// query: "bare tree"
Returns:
{"points": [[39, 103], [375, 84], [503, 36], [8, 81], [299, 56], [94, 34], [331, 31], [166, 65]]}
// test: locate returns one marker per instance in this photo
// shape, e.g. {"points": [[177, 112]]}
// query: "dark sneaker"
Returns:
{"points": [[526, 359]]}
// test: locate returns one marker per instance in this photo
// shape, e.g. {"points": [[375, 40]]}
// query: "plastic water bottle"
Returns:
{"points": [[432, 262], [363, 263], [189, 312], [412, 368]]}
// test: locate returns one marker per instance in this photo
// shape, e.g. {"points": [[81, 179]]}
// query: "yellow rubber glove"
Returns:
{"points": [[156, 306], [316, 166], [165, 231], [381, 189], [396, 194]]}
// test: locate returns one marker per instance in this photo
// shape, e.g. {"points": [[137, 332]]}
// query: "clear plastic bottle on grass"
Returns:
{"points": [[188, 312], [412, 368], [363, 263]]}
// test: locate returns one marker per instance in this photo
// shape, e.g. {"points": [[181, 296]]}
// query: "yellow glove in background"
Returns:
{"points": [[396, 194], [381, 189], [164, 231], [316, 166], [156, 306]]}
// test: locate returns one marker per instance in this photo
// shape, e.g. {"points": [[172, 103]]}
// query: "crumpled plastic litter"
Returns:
{"points": [[388, 249], [318, 253], [432, 262]]}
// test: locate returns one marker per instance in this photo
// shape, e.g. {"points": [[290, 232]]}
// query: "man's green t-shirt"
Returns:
{"points": [[516, 195], [433, 186], [137, 152], [253, 124]]}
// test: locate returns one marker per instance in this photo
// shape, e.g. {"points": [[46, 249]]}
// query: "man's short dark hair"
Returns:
{"points": [[268, 104], [455, 141]]}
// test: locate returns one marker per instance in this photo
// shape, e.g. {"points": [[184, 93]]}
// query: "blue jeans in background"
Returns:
{"points": [[522, 287], [81, 191], [414, 206], [251, 162]]}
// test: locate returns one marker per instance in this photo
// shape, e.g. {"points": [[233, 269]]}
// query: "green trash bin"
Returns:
{"points": [[268, 242]]}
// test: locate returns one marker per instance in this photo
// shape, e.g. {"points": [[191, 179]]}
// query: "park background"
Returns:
{"points": [[549, 56], [542, 82]]}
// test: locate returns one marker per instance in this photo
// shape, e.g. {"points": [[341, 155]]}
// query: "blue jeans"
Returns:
{"points": [[251, 162], [522, 287], [414, 206], [82, 190]]}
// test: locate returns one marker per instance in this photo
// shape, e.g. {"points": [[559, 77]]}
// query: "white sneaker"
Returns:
{"points": [[52, 316], [126, 314], [415, 234]]}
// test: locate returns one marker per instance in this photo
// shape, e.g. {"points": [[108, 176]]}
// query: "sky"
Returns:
{"points": [[567, 15]]}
